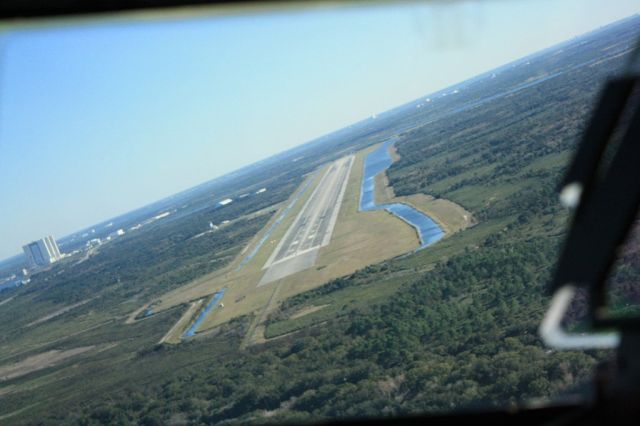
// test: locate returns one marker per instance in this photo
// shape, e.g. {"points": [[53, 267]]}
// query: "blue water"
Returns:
{"points": [[212, 304], [11, 284], [8, 285], [377, 162], [274, 225]]}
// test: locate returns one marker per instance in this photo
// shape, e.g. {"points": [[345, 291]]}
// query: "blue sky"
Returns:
{"points": [[100, 117]]}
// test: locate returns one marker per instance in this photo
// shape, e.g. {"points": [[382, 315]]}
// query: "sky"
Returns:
{"points": [[98, 118]]}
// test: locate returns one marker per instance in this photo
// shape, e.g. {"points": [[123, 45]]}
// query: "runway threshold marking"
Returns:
{"points": [[313, 226]]}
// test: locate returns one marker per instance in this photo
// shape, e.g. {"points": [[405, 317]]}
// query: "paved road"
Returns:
{"points": [[313, 226]]}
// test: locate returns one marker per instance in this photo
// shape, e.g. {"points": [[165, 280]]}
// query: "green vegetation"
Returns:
{"points": [[337, 299]]}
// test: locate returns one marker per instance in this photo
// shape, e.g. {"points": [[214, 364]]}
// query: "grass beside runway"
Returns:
{"points": [[213, 282], [359, 239], [242, 295], [175, 333], [451, 217]]}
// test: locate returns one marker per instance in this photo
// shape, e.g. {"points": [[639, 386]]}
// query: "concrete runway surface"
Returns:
{"points": [[313, 226]]}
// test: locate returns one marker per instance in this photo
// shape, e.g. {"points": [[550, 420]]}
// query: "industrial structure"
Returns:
{"points": [[42, 252]]}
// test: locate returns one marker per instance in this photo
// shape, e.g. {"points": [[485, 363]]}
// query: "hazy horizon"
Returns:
{"points": [[62, 158]]}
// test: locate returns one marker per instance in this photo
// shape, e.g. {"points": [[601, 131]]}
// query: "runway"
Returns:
{"points": [[313, 226]]}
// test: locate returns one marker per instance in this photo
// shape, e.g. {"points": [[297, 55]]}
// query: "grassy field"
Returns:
{"points": [[336, 304], [229, 275], [339, 303], [383, 191], [242, 296], [175, 333], [359, 239], [450, 216]]}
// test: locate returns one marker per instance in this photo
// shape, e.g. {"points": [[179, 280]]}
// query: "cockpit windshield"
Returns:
{"points": [[294, 213]]}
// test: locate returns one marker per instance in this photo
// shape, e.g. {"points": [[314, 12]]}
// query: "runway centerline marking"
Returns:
{"points": [[313, 226]]}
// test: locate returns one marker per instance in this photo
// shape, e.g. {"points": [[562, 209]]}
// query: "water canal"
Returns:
{"points": [[377, 162], [212, 304]]}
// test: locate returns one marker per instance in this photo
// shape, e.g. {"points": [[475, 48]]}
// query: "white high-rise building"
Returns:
{"points": [[42, 252]]}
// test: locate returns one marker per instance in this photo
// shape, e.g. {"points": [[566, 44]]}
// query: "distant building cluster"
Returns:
{"points": [[118, 233], [161, 215], [15, 280], [228, 201], [42, 252], [94, 242]]}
